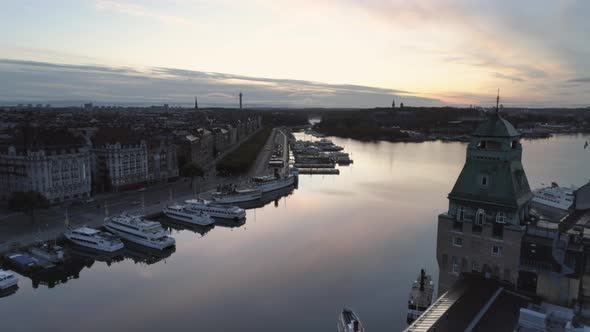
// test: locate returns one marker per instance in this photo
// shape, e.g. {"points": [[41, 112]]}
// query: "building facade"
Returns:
{"points": [[58, 174], [482, 230], [162, 162], [120, 166]]}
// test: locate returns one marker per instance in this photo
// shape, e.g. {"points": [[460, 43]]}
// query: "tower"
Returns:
{"points": [[240, 100], [482, 230], [196, 103]]}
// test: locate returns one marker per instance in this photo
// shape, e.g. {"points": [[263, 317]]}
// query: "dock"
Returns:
{"points": [[328, 171], [303, 165]]}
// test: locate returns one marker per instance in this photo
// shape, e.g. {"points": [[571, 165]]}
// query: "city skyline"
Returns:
{"points": [[297, 53]]}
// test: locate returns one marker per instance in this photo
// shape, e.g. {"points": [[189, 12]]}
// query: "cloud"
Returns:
{"points": [[140, 11], [579, 80], [32, 81], [508, 77]]}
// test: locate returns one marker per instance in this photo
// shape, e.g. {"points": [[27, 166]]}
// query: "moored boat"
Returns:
{"points": [[215, 210], [22, 261], [7, 279], [420, 296], [230, 194], [94, 239], [49, 252], [139, 230], [348, 321], [270, 183], [556, 197], [181, 213]]}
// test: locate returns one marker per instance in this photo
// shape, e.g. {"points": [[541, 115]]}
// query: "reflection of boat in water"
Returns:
{"points": [[60, 274], [420, 296], [179, 225], [147, 255], [348, 321], [138, 230], [96, 255]]}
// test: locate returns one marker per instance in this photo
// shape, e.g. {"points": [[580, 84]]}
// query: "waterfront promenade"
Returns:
{"points": [[16, 229]]}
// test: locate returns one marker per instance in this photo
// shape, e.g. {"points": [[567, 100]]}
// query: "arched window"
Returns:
{"points": [[501, 218], [461, 213], [480, 217]]}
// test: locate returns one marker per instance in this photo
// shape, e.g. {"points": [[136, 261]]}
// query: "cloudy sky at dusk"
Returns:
{"points": [[292, 53]]}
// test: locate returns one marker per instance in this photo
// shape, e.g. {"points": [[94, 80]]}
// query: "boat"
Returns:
{"points": [[49, 252], [180, 212], [348, 321], [556, 197], [22, 261], [215, 210], [274, 182], [94, 239], [139, 230], [7, 279], [420, 296], [230, 194]]}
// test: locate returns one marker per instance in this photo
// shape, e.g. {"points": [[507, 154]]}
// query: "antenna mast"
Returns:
{"points": [[498, 101]]}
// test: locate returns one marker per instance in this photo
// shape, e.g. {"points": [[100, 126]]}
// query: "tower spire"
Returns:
{"points": [[498, 101], [196, 103]]}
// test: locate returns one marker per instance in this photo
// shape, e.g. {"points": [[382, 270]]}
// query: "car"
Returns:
{"points": [[141, 189], [135, 202]]}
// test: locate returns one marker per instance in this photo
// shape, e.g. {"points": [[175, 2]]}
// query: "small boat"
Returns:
{"points": [[94, 239], [230, 194], [22, 261], [270, 183], [181, 213], [215, 210], [49, 252], [348, 321], [420, 296], [139, 230], [7, 279]]}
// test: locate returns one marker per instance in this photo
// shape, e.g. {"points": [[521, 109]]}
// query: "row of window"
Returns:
{"points": [[480, 216], [496, 248], [459, 265]]}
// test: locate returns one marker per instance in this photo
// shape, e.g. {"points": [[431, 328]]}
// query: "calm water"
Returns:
{"points": [[358, 239]]}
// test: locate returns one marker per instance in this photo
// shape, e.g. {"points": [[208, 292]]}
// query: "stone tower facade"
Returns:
{"points": [[482, 230]]}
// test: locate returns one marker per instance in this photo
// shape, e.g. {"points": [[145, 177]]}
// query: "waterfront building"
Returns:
{"points": [[119, 162], [482, 230], [162, 162], [55, 164]]}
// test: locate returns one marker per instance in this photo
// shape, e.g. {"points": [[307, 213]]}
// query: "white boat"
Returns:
{"points": [[231, 195], [215, 210], [554, 196], [420, 296], [181, 213], [7, 279], [49, 252], [94, 239], [270, 183], [139, 230], [348, 321]]}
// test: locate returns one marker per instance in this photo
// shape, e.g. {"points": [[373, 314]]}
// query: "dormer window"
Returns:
{"points": [[501, 218], [480, 217]]}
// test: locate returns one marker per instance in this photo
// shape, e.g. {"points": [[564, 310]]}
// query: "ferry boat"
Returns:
{"points": [[215, 210], [348, 321], [555, 196], [270, 183], [420, 296], [182, 213], [94, 239], [230, 194], [139, 230], [49, 252], [7, 279]]}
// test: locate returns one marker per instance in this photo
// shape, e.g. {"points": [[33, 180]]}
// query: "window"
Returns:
{"points": [[496, 250], [475, 266], [514, 144], [461, 214], [457, 241], [481, 144], [484, 181], [501, 218], [480, 217], [456, 265]]}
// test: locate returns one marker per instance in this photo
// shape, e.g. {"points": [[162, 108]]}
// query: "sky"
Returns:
{"points": [[296, 53]]}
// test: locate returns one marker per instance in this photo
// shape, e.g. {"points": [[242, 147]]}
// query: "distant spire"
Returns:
{"points": [[498, 101], [196, 103], [240, 100]]}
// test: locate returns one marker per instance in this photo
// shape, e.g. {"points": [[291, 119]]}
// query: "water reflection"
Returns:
{"points": [[355, 239]]}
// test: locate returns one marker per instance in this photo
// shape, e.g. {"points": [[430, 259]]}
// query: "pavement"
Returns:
{"points": [[16, 229]]}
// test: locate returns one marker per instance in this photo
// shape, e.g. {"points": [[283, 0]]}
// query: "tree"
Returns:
{"points": [[28, 202], [192, 170], [401, 105]]}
